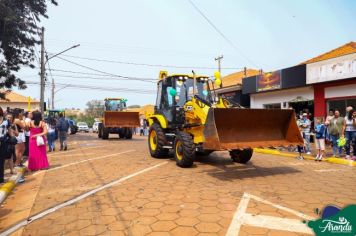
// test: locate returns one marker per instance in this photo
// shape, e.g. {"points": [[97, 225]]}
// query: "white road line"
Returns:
{"points": [[76, 199], [276, 223], [74, 150], [328, 170], [236, 222], [297, 213], [86, 160], [78, 154]]}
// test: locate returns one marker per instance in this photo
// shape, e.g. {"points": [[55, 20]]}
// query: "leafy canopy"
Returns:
{"points": [[19, 33]]}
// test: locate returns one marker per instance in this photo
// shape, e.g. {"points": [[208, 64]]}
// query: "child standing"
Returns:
{"points": [[319, 139]]}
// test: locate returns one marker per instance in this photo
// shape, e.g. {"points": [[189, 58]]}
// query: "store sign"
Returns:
{"points": [[333, 69], [268, 81]]}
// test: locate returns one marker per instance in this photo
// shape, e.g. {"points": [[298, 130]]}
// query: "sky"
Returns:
{"points": [[259, 34]]}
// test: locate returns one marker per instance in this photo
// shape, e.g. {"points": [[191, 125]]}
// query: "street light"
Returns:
{"points": [[57, 54], [43, 64]]}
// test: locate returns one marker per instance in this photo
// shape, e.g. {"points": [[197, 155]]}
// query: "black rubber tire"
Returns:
{"points": [[204, 153], [100, 131], [105, 134], [128, 133], [241, 156], [72, 130], [160, 141], [122, 133], [187, 150]]}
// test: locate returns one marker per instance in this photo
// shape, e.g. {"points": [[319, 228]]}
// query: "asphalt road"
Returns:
{"points": [[114, 187]]}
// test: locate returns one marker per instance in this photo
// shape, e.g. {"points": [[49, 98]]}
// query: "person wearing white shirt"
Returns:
{"points": [[28, 119]]}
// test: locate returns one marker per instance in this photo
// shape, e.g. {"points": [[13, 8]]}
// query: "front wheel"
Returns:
{"points": [[184, 150], [105, 133], [100, 131], [156, 141], [241, 156]]}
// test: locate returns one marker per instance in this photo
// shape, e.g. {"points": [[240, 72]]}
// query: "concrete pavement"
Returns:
{"points": [[114, 187]]}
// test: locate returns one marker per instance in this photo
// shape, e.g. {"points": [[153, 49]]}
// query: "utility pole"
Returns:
{"points": [[42, 72], [218, 59], [52, 92]]}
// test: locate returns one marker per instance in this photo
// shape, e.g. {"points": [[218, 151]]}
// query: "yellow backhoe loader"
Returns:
{"points": [[116, 120], [192, 120]]}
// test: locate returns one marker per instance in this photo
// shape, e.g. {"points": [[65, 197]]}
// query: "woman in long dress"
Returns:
{"points": [[37, 159]]}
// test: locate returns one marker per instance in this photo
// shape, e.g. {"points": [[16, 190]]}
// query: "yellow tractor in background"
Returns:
{"points": [[116, 120], [191, 119]]}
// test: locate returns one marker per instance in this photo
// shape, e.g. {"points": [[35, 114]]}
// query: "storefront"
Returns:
{"points": [[280, 89], [334, 83]]}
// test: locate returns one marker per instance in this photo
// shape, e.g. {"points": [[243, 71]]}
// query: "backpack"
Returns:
{"points": [[63, 125]]}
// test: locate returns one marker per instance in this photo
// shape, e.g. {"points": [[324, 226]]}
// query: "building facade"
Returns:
{"points": [[334, 83], [14, 100]]}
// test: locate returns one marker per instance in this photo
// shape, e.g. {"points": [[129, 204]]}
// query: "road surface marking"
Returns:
{"points": [[86, 160], [276, 223], [79, 149], [328, 170], [271, 222], [294, 212], [236, 222], [75, 200]]}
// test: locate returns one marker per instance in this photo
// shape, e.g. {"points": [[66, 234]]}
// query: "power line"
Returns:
{"points": [[104, 75], [221, 34], [149, 65], [100, 71], [88, 87], [96, 78]]}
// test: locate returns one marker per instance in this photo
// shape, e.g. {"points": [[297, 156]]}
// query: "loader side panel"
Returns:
{"points": [[121, 119], [227, 129]]}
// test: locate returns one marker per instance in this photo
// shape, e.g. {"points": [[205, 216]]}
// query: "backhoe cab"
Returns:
{"points": [[190, 119]]}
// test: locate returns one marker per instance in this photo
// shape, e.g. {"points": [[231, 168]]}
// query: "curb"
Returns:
{"points": [[333, 160], [6, 188]]}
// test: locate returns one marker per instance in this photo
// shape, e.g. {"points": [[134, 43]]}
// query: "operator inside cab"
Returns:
{"points": [[115, 105]]}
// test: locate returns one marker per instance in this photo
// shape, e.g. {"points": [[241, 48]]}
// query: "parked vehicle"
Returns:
{"points": [[96, 127], [73, 128], [83, 127]]}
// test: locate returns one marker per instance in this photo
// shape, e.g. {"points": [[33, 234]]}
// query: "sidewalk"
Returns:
{"points": [[11, 181], [328, 155]]}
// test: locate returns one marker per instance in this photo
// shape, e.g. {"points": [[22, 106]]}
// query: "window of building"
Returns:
{"points": [[341, 104], [272, 106]]}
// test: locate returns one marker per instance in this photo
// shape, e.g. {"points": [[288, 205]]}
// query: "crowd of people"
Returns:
{"points": [[337, 131], [24, 135]]}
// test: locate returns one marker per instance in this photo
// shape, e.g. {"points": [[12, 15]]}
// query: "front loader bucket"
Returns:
{"points": [[121, 119], [230, 128]]}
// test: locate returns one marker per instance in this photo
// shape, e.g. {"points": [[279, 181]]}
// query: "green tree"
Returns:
{"points": [[95, 108], [134, 106], [19, 33]]}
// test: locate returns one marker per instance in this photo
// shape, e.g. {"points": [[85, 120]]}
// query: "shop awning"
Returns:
{"points": [[299, 99]]}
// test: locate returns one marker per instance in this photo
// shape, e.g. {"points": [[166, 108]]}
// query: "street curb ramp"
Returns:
{"points": [[6, 188]]}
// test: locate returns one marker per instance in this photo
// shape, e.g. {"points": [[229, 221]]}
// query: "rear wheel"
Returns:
{"points": [[105, 134], [122, 133], [241, 156], [156, 141], [128, 133], [184, 150]]}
